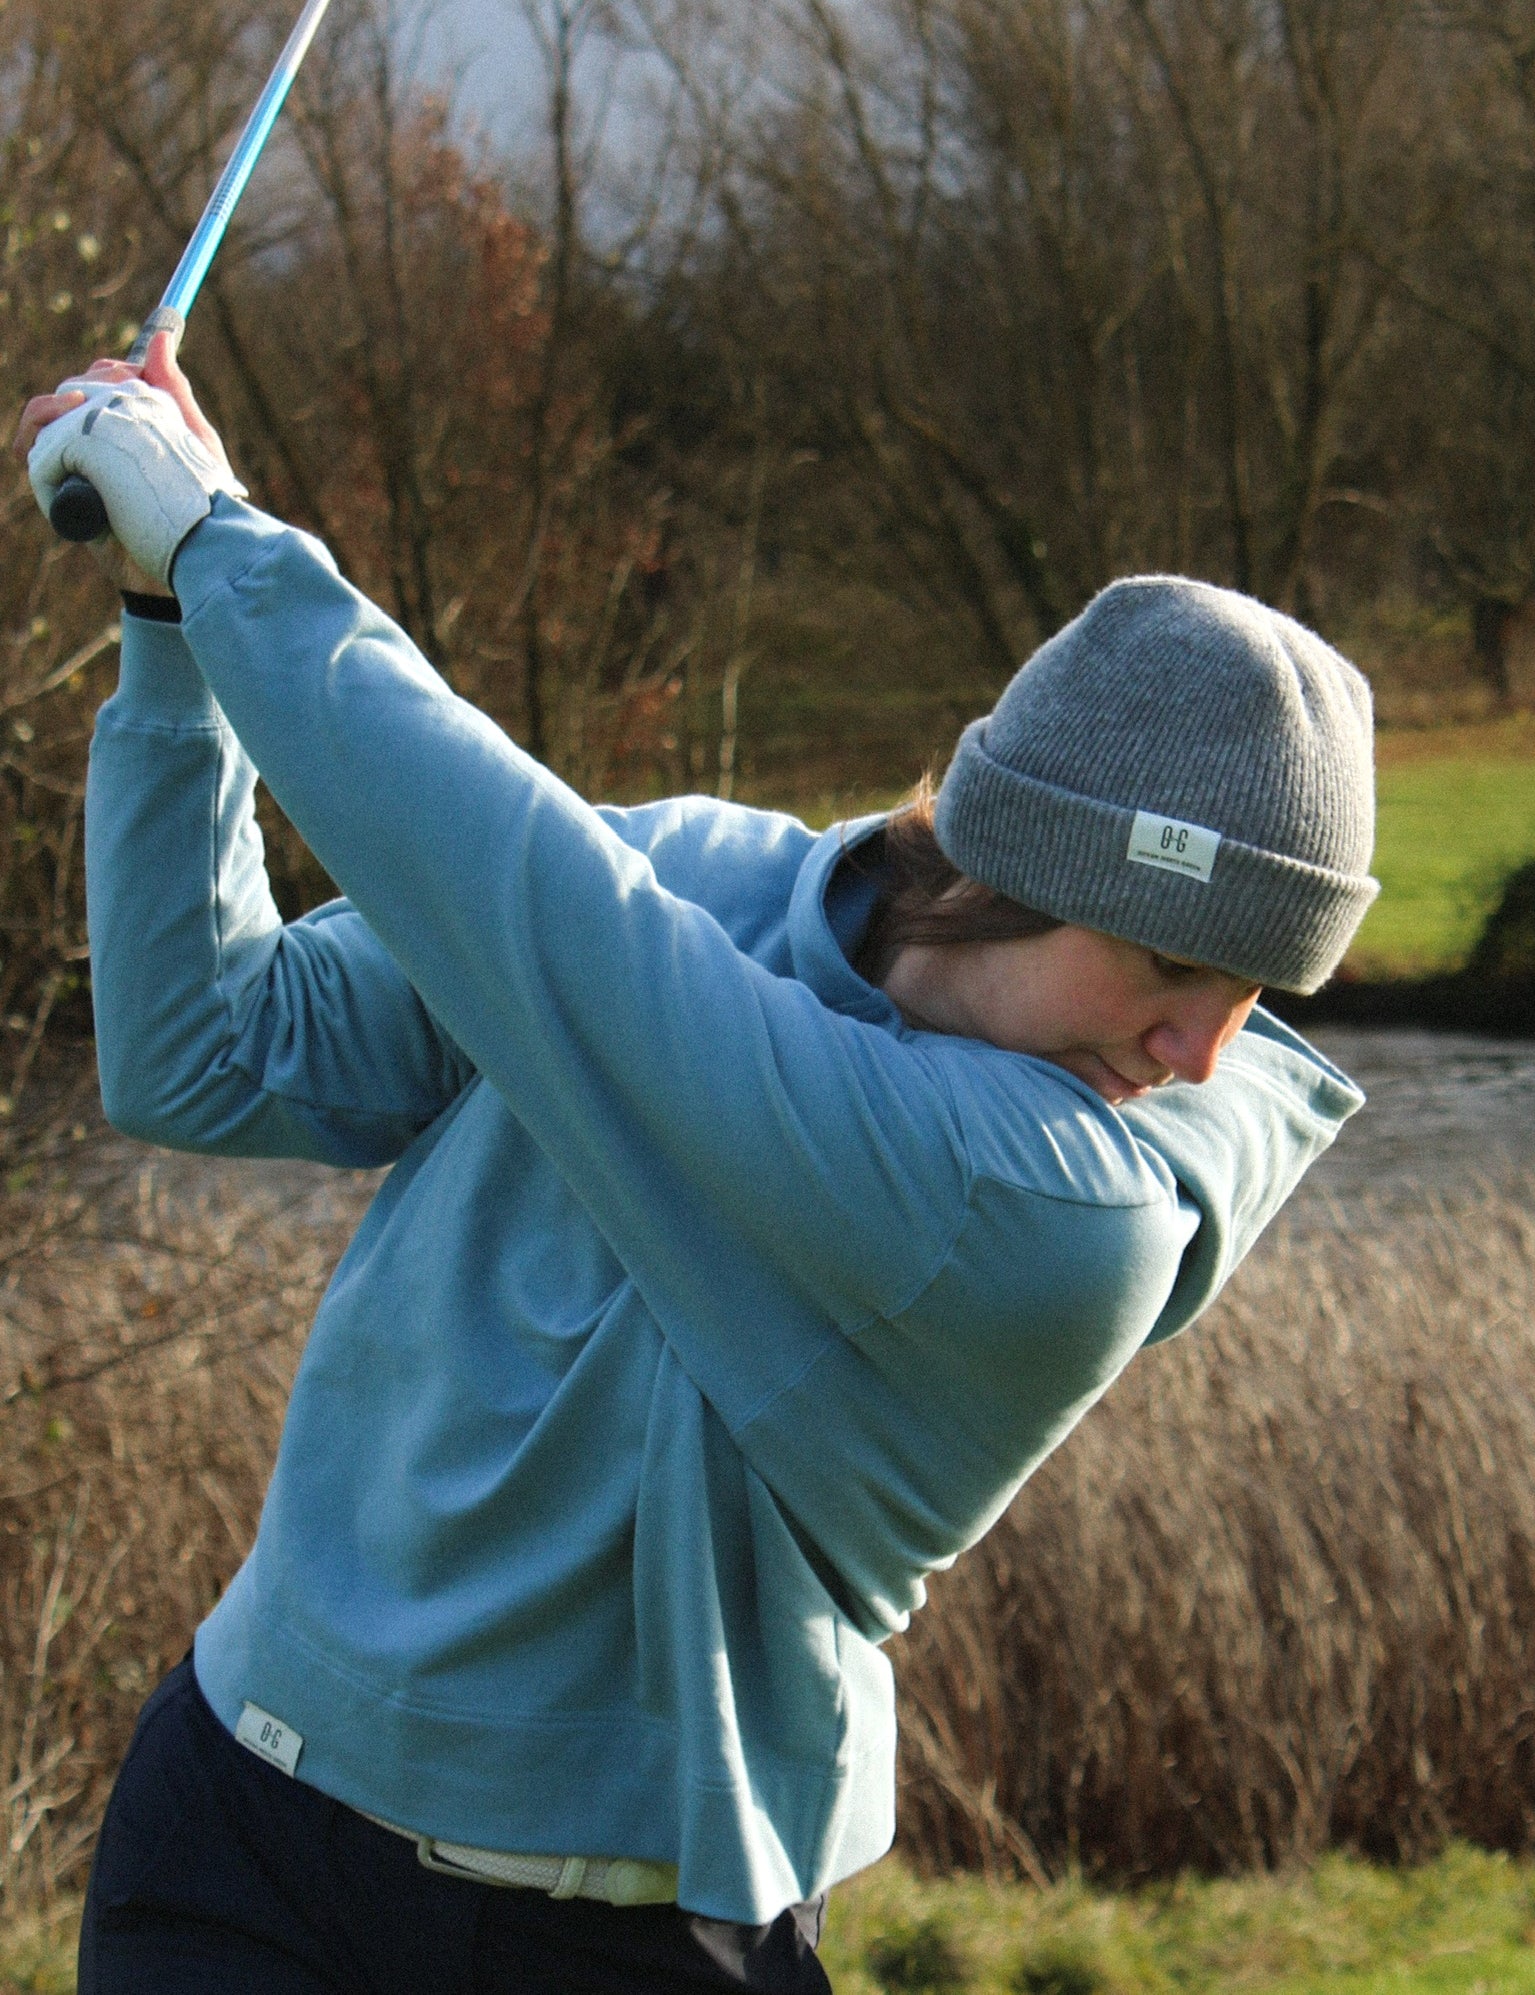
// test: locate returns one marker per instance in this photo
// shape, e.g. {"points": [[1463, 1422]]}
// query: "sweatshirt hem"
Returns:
{"points": [[603, 1783]]}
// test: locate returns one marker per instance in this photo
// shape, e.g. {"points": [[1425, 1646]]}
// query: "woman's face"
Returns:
{"points": [[1118, 1016]]}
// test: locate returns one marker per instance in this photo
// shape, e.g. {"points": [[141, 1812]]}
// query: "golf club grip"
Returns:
{"points": [[77, 512]]}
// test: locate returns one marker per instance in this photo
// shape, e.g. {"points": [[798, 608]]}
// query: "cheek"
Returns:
{"points": [[1098, 1022], [1239, 1018], [1087, 1011]]}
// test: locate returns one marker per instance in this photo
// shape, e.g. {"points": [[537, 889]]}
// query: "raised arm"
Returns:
{"points": [[218, 1028], [659, 1066]]}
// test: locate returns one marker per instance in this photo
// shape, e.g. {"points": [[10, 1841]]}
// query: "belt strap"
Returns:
{"points": [[612, 1880]]}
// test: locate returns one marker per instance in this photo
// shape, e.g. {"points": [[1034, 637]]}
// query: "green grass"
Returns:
{"points": [[37, 1952], [1460, 1926], [1456, 815], [1463, 1925]]}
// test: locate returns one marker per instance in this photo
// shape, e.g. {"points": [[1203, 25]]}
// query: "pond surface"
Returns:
{"points": [[1445, 1111]]}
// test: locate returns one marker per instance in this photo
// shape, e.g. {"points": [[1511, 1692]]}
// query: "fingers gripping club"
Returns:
{"points": [[78, 512]]}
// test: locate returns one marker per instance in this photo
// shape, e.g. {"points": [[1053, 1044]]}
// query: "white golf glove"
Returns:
{"points": [[156, 479]]}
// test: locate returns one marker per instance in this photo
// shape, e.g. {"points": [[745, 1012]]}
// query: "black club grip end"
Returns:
{"points": [[77, 512]]}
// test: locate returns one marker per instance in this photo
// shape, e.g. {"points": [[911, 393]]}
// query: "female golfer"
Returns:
{"points": [[764, 1208]]}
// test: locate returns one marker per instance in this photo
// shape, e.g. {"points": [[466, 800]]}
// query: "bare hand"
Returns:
{"points": [[161, 369]]}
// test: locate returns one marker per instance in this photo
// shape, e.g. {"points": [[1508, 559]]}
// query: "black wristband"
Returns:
{"points": [[153, 609]]}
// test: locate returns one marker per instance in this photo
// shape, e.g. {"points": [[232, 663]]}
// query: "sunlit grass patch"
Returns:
{"points": [[37, 1951], [1458, 1926], [1456, 815]]}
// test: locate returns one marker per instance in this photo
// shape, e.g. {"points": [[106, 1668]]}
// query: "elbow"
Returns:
{"points": [[129, 1100], [165, 1068], [136, 1104], [133, 1109], [124, 1100]]}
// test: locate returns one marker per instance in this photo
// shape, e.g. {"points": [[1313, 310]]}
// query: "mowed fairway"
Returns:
{"points": [[1456, 815]]}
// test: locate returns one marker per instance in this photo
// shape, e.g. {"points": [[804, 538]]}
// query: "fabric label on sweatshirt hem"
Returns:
{"points": [[269, 1738]]}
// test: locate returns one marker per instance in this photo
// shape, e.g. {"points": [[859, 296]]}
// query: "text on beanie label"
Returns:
{"points": [[1175, 846]]}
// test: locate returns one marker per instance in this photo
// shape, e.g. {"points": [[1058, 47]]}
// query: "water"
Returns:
{"points": [[1445, 1112]]}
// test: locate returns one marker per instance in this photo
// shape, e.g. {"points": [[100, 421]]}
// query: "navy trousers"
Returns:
{"points": [[216, 1874]]}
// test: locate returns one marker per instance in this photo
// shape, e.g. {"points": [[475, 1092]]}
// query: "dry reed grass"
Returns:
{"points": [[151, 1313], [1276, 1592]]}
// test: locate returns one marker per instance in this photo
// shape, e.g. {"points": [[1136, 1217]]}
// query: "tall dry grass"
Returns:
{"points": [[151, 1312], [1277, 1591]]}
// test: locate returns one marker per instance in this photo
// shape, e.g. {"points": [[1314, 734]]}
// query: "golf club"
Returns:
{"points": [[77, 512]]}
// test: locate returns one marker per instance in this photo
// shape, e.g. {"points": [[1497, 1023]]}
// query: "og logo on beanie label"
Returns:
{"points": [[1175, 846]]}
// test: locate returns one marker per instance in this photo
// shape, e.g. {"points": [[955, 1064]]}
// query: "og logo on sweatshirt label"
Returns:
{"points": [[269, 1738], [1177, 847]]}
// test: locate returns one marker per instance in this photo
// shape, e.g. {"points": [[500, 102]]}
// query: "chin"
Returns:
{"points": [[1105, 1080], [1121, 1092]]}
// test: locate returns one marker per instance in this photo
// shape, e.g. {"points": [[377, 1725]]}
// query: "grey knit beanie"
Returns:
{"points": [[1183, 768]]}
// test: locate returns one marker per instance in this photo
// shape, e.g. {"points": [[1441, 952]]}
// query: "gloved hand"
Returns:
{"points": [[156, 479]]}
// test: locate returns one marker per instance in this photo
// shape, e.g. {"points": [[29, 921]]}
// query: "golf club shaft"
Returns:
{"points": [[77, 512]]}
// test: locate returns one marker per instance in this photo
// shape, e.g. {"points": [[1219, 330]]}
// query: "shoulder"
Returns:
{"points": [[706, 830], [742, 865], [1066, 1251], [1028, 1127]]}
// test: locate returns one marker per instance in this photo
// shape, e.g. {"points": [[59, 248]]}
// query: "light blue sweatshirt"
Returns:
{"points": [[707, 1308]]}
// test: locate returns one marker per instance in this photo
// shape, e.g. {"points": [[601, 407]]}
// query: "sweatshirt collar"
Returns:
{"points": [[827, 917]]}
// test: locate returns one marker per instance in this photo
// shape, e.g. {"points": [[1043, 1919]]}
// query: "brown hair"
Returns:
{"points": [[924, 897]]}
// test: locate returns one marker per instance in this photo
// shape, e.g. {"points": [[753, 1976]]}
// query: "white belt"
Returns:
{"points": [[617, 1880]]}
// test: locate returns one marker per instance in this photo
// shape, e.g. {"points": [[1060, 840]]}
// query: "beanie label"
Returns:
{"points": [[1176, 847]]}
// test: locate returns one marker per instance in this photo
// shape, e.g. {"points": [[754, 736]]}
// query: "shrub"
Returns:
{"points": [[152, 1313], [1061, 1967], [1505, 949], [918, 1959]]}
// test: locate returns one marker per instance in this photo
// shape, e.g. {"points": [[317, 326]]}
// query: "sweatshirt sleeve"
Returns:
{"points": [[219, 1029], [695, 1102], [1238, 1146], [663, 1071]]}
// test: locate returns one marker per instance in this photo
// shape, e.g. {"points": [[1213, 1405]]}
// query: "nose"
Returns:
{"points": [[1188, 1041]]}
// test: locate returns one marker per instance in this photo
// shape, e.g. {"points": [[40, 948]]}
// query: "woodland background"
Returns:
{"points": [[839, 363]]}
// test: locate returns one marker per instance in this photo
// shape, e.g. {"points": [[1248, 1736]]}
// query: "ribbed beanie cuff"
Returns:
{"points": [[1170, 707], [1261, 916]]}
